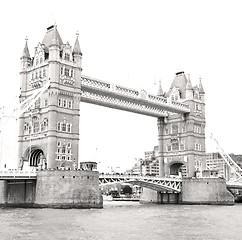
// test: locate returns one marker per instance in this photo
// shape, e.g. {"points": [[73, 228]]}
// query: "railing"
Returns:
{"points": [[17, 174]]}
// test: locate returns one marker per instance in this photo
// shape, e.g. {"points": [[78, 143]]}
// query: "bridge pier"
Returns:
{"points": [[52, 189], [194, 191], [152, 196], [17, 193]]}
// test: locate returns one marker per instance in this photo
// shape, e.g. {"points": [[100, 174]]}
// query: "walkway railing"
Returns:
{"points": [[17, 174]]}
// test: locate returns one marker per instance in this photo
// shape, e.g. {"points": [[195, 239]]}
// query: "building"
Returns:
{"points": [[49, 132], [182, 136], [215, 162]]}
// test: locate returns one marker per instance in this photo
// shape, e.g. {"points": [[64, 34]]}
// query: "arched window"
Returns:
{"points": [[63, 127], [36, 127]]}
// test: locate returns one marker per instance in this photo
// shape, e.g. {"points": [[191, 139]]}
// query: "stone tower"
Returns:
{"points": [[182, 137], [49, 131]]}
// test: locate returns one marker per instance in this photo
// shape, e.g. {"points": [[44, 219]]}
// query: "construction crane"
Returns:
{"points": [[228, 160]]}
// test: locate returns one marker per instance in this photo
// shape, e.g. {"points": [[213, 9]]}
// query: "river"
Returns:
{"points": [[124, 221]]}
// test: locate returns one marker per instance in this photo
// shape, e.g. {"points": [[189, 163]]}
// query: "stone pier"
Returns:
{"points": [[194, 191], [53, 189]]}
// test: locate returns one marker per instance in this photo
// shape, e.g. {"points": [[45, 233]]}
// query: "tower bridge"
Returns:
{"points": [[52, 86], [49, 129]]}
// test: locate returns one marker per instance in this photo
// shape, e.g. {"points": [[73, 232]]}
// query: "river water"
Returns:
{"points": [[125, 221]]}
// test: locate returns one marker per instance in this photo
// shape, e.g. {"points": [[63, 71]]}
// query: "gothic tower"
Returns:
{"points": [[49, 131], [182, 137]]}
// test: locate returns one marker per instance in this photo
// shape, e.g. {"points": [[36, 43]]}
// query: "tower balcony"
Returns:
{"points": [[37, 82], [67, 80]]}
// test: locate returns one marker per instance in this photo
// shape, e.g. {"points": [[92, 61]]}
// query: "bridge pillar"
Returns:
{"points": [[160, 124], [3, 191]]}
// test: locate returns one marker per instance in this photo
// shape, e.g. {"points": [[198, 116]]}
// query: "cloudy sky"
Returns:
{"points": [[136, 44]]}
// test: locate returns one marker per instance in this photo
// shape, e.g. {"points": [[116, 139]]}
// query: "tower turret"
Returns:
{"points": [[77, 54], [201, 90], [160, 92], [54, 47], [25, 58], [189, 89]]}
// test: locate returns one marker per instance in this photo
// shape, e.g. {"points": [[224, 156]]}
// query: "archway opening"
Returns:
{"points": [[34, 154], [176, 169]]}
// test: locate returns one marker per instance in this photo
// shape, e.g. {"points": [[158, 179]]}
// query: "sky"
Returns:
{"points": [[135, 44]]}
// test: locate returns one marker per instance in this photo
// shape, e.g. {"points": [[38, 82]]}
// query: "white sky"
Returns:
{"points": [[136, 43]]}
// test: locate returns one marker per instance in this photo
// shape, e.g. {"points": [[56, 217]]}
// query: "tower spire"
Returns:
{"points": [[201, 90], [77, 49], [160, 91], [25, 53], [189, 84]]}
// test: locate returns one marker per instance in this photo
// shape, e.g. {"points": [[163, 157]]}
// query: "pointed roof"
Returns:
{"points": [[52, 36], [160, 91], [180, 81], [201, 90], [26, 50], [77, 49], [189, 84]]}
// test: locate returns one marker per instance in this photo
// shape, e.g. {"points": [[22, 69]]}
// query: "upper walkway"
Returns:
{"points": [[119, 97]]}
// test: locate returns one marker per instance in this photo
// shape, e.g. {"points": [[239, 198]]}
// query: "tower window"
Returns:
{"points": [[63, 127], [67, 56], [36, 127], [166, 131], [175, 146], [58, 126], [44, 73], [71, 73], [70, 104], [67, 72], [58, 144], [64, 103], [61, 71], [37, 104], [174, 129], [68, 127]]}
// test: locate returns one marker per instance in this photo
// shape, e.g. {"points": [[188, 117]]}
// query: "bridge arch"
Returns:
{"points": [[33, 154]]}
